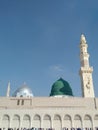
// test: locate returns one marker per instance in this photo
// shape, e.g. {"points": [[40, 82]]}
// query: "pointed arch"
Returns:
{"points": [[77, 121], [37, 117], [67, 121], [67, 117], [57, 117], [87, 121], [5, 121], [96, 120], [26, 121], [47, 121], [57, 124], [36, 121], [16, 121], [47, 117]]}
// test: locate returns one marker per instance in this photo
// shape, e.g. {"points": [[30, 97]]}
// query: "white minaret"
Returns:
{"points": [[8, 90], [85, 70]]}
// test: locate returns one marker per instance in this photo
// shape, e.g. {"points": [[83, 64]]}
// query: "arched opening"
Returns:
{"points": [[5, 122], [47, 122], [77, 121], [67, 121], [87, 122], [57, 122], [96, 121], [26, 121], [16, 121], [36, 121]]}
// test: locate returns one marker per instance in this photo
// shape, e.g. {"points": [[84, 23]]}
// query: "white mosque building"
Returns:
{"points": [[60, 111]]}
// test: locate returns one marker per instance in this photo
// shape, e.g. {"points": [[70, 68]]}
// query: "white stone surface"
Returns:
{"points": [[85, 70], [47, 112]]}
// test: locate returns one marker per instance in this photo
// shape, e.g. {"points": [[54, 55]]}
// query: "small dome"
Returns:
{"points": [[23, 91], [61, 88]]}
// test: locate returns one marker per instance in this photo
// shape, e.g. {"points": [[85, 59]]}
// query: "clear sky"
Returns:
{"points": [[39, 42]]}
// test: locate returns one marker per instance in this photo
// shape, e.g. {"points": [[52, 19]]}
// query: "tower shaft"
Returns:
{"points": [[8, 90], [85, 70]]}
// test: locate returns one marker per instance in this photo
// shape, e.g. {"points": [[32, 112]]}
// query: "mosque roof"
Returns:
{"points": [[61, 87], [23, 91]]}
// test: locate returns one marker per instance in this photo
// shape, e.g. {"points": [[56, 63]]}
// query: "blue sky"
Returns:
{"points": [[39, 42]]}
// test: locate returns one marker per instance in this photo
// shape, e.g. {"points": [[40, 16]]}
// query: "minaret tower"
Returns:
{"points": [[85, 70], [8, 90]]}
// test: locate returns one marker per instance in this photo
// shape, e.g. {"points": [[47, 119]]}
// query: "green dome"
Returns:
{"points": [[61, 87]]}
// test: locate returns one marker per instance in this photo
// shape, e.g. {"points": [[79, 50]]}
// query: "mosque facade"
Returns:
{"points": [[60, 111]]}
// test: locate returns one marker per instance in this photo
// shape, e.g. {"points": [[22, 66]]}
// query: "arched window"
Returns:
{"points": [[36, 121], [26, 121], [57, 125], [5, 122], [87, 121], [67, 121], [77, 121], [16, 121], [47, 121]]}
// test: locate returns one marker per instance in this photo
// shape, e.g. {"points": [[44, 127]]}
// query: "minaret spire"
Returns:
{"points": [[82, 40], [85, 70], [8, 90]]}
